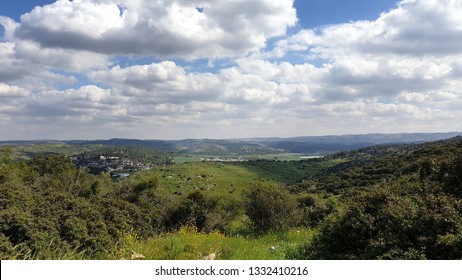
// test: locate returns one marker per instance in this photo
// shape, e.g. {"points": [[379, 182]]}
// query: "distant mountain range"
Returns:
{"points": [[313, 145]]}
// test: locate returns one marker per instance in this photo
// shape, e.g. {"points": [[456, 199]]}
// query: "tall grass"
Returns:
{"points": [[190, 244]]}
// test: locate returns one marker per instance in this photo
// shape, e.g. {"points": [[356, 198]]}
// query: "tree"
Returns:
{"points": [[6, 154]]}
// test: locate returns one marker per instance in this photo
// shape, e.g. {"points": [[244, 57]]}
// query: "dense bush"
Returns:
{"points": [[403, 207], [50, 209], [314, 209], [203, 212], [399, 221], [270, 207]]}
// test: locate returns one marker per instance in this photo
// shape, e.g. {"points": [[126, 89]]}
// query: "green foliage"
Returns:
{"points": [[270, 207], [402, 205], [287, 172], [450, 174], [52, 165], [145, 182], [204, 212], [398, 221], [31, 151], [6, 154], [315, 208], [52, 210]]}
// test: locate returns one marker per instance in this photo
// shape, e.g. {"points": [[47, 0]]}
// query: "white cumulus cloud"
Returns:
{"points": [[187, 29]]}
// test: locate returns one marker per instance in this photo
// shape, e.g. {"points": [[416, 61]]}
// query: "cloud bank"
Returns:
{"points": [[71, 70]]}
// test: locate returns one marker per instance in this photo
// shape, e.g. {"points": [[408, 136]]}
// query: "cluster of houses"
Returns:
{"points": [[224, 159], [116, 166]]}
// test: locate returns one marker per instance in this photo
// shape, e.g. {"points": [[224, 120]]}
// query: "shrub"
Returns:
{"points": [[314, 209], [392, 222], [269, 207]]}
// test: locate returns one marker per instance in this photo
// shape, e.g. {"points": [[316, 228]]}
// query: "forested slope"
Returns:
{"points": [[405, 205]]}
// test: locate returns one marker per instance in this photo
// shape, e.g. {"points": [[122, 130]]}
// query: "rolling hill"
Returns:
{"points": [[313, 145]]}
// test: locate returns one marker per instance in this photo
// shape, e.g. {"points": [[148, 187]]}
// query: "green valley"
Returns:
{"points": [[391, 201]]}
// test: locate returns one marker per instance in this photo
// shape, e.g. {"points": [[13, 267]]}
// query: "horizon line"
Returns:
{"points": [[238, 138]]}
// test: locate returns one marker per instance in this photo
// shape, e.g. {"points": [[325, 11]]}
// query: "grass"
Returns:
{"points": [[221, 178], [216, 178], [189, 244]]}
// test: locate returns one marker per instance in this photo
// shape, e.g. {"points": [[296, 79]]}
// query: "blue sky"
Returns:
{"points": [[15, 9], [315, 13], [87, 69]]}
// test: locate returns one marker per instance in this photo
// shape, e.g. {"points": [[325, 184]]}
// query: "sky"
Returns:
{"points": [[100, 69]]}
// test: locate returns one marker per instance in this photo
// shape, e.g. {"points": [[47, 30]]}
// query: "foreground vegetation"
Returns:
{"points": [[383, 202]]}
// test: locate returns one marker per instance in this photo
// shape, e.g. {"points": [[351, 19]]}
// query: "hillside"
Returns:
{"points": [[380, 202]]}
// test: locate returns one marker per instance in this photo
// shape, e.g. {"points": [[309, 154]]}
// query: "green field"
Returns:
{"points": [[212, 177], [228, 178]]}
